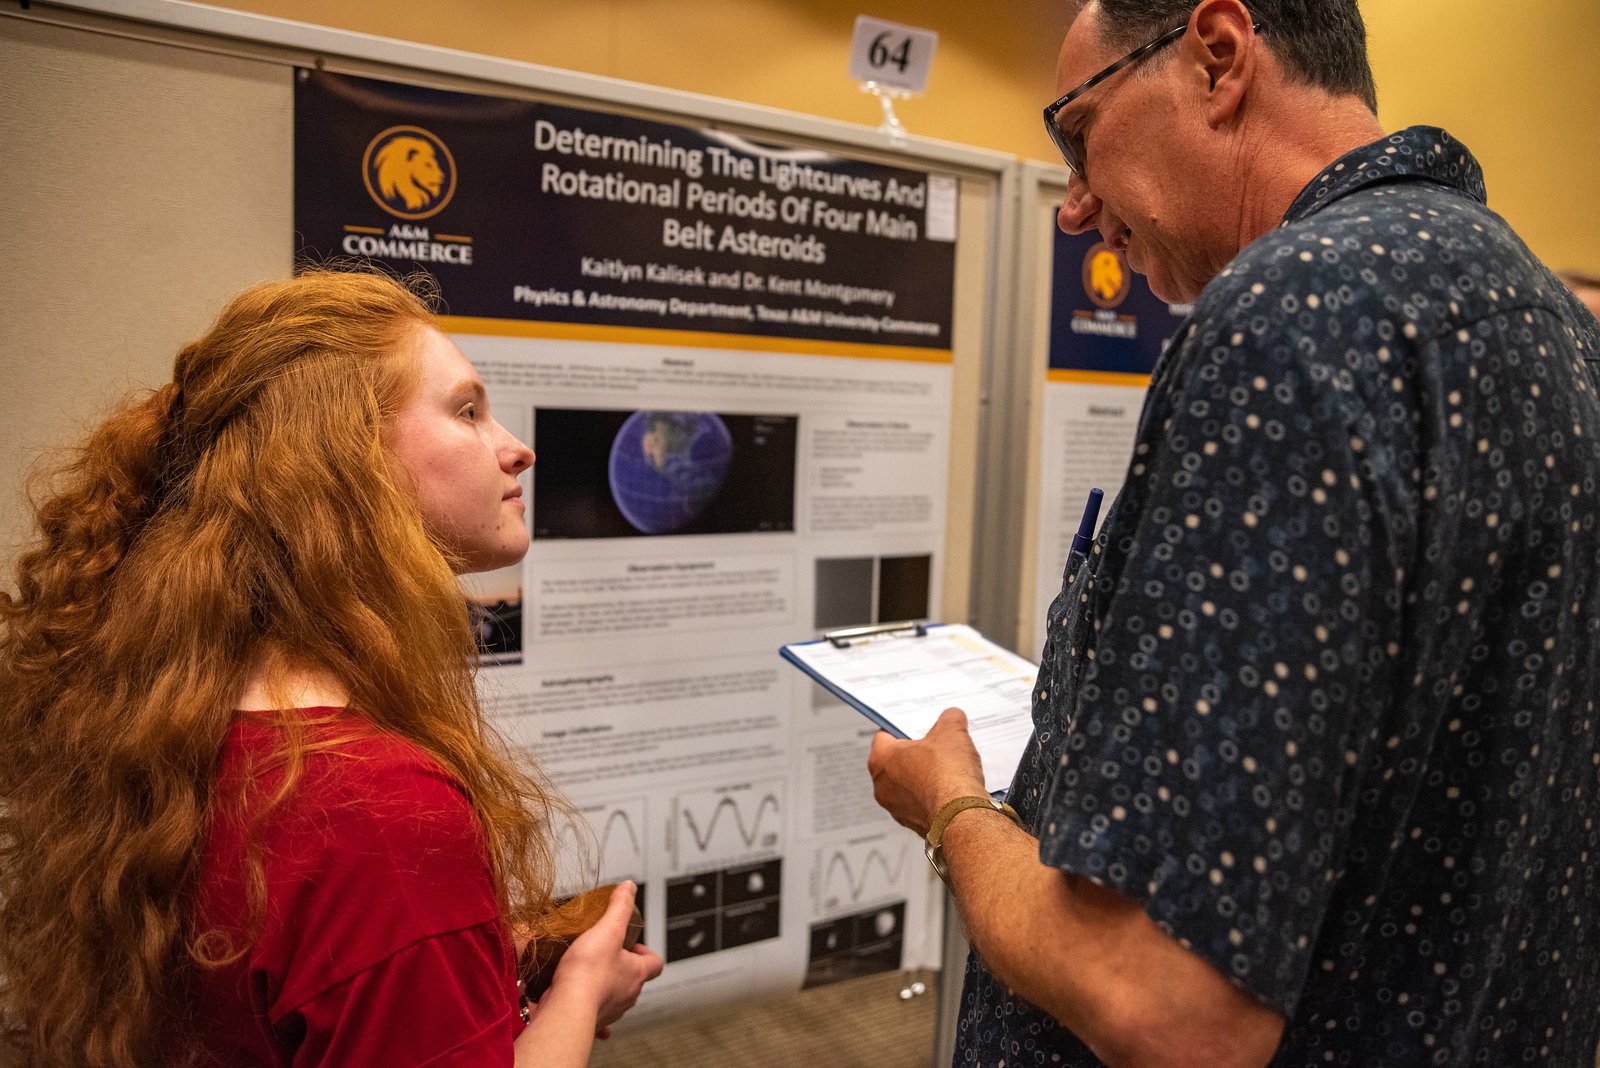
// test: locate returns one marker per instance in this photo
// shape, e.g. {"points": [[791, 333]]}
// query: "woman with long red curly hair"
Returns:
{"points": [[249, 810]]}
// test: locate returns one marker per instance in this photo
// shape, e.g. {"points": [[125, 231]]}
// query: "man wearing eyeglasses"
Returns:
{"points": [[1314, 769]]}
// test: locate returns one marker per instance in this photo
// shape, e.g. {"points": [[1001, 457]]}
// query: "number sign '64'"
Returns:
{"points": [[891, 54]]}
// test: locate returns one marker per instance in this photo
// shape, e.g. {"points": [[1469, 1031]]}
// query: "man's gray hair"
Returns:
{"points": [[1319, 42]]}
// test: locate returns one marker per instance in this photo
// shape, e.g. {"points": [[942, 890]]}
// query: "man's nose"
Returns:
{"points": [[1080, 208]]}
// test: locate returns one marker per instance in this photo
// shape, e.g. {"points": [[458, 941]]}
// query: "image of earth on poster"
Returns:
{"points": [[605, 473], [666, 467]]}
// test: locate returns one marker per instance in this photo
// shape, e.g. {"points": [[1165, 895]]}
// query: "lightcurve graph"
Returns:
{"points": [[605, 845], [853, 874], [727, 823]]}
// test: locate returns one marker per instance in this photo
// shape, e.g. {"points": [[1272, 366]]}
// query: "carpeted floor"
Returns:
{"points": [[861, 1023]]}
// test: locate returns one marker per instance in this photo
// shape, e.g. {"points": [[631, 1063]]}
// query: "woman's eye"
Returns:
{"points": [[470, 411]]}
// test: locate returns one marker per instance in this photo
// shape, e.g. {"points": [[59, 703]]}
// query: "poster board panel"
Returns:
{"points": [[844, 881], [1095, 333], [712, 483]]}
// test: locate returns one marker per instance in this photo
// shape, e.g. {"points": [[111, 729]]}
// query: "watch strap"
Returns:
{"points": [[933, 846]]}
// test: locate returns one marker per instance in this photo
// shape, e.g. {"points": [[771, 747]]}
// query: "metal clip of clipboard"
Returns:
{"points": [[841, 638]]}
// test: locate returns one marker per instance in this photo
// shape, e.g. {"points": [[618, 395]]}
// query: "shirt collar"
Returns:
{"points": [[1418, 152]]}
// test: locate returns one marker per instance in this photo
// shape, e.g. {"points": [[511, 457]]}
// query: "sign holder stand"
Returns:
{"points": [[892, 127], [891, 62]]}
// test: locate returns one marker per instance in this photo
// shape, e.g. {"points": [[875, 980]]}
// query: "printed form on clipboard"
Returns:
{"points": [[903, 675]]}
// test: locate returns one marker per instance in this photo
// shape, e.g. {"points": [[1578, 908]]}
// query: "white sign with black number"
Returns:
{"points": [[891, 54]]}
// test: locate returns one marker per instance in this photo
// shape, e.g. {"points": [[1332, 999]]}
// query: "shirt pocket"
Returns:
{"points": [[1073, 621], [1070, 626]]}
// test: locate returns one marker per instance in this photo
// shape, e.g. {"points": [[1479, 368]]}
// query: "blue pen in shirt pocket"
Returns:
{"points": [[1084, 539]]}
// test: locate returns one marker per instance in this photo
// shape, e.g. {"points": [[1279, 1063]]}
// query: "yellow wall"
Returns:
{"points": [[991, 76], [1519, 83]]}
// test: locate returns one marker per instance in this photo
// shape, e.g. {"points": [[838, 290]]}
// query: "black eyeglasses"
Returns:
{"points": [[1071, 146]]}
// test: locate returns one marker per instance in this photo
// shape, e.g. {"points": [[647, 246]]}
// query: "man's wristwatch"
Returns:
{"points": [[933, 846]]}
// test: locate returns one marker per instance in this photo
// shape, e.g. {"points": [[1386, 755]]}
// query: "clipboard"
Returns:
{"points": [[845, 636], [888, 675]]}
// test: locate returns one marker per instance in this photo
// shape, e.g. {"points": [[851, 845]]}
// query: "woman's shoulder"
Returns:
{"points": [[342, 757], [373, 847], [366, 806]]}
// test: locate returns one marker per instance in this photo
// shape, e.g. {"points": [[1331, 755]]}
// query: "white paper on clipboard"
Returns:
{"points": [[902, 682]]}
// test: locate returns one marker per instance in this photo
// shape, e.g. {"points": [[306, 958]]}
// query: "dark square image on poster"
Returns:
{"points": [[755, 921], [903, 583], [844, 592], [627, 474], [850, 947], [751, 882], [691, 936], [692, 894]]}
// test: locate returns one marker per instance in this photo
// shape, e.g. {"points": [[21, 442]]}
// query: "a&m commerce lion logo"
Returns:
{"points": [[409, 172], [1106, 277]]}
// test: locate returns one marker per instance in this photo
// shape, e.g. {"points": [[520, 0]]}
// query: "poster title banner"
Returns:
{"points": [[531, 212]]}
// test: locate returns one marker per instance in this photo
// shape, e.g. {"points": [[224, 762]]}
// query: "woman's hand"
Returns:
{"points": [[596, 963], [596, 982]]}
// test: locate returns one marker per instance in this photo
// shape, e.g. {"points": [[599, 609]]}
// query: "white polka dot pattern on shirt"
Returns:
{"points": [[1323, 698]]}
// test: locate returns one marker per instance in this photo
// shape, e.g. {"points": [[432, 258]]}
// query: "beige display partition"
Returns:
{"points": [[1042, 191], [1027, 361], [145, 184], [147, 170], [1012, 457]]}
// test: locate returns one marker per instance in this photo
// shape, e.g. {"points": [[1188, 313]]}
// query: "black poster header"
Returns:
{"points": [[533, 212]]}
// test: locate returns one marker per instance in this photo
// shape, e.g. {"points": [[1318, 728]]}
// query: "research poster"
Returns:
{"points": [[1107, 330], [733, 362]]}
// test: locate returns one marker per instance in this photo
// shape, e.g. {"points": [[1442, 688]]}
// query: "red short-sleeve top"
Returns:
{"points": [[380, 942]]}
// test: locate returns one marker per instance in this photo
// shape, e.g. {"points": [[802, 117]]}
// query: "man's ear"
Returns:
{"points": [[1221, 40]]}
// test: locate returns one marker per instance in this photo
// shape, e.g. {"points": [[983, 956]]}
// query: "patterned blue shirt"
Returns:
{"points": [[1322, 699]]}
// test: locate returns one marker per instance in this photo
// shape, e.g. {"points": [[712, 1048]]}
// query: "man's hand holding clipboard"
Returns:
{"points": [[902, 676], [913, 780]]}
